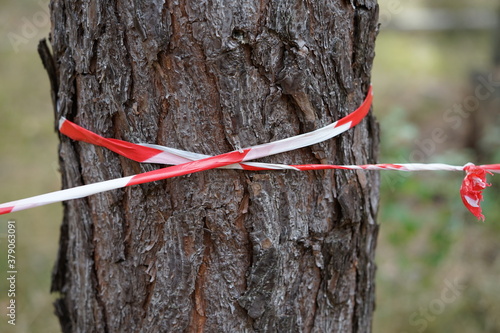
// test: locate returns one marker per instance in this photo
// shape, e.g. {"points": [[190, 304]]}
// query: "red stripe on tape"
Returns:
{"points": [[6, 210], [127, 149], [358, 115], [252, 168], [190, 167]]}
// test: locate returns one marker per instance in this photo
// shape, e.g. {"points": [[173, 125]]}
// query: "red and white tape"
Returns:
{"points": [[187, 162]]}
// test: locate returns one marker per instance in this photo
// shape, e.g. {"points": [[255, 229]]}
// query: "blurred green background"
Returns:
{"points": [[438, 267], [28, 165]]}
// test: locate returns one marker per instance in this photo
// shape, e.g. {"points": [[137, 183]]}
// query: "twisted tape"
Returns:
{"points": [[186, 162]]}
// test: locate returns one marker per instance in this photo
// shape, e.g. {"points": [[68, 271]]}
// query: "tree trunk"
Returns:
{"points": [[222, 250]]}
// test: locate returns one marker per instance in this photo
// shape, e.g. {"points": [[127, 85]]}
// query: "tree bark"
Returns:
{"points": [[223, 250]]}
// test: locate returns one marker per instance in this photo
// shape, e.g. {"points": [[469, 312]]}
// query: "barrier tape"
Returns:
{"points": [[188, 162]]}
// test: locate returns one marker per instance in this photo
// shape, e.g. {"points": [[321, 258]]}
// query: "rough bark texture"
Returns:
{"points": [[218, 251]]}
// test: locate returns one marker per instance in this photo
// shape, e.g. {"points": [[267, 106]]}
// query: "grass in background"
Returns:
{"points": [[428, 241], [28, 166]]}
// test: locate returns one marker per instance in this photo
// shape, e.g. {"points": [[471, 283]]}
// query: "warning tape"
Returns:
{"points": [[188, 162]]}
